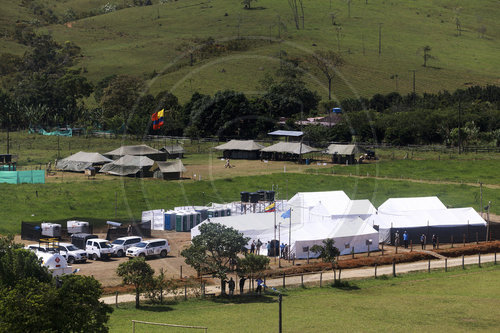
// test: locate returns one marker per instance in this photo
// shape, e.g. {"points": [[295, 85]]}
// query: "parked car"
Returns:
{"points": [[36, 248], [99, 249], [152, 247], [71, 253], [120, 245]]}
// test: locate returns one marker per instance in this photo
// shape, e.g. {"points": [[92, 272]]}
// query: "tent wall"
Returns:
{"points": [[444, 234], [356, 242], [242, 154]]}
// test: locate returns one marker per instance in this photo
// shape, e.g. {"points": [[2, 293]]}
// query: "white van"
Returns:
{"points": [[71, 253], [120, 245], [99, 249], [152, 247]]}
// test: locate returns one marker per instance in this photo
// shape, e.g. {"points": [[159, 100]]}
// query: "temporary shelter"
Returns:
{"points": [[81, 161], [168, 170], [173, 151], [349, 234], [329, 205], [428, 216], [138, 150], [287, 150], [344, 153], [241, 149], [128, 165]]}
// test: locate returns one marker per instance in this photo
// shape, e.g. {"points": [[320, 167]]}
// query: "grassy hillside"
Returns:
{"points": [[154, 39]]}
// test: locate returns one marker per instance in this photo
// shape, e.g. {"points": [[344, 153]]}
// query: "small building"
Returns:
{"points": [[342, 154], [168, 170], [241, 149], [137, 150], [173, 151]]}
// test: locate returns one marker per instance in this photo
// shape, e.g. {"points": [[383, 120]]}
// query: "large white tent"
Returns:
{"points": [[426, 215], [329, 205], [80, 161], [348, 233]]}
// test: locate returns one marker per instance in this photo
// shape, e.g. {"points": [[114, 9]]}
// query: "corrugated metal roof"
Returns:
{"points": [[290, 147], [286, 133]]}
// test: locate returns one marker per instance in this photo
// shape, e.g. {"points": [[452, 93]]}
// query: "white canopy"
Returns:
{"points": [[411, 204], [247, 145], [296, 148], [127, 165], [80, 161]]}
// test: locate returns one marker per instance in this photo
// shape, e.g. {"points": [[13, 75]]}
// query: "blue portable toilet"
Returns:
{"points": [[336, 110], [170, 220]]}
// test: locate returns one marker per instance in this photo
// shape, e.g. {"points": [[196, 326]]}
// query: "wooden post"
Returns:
{"points": [[446, 264], [375, 270], [302, 280], [477, 238], [463, 261], [284, 285], [352, 252], [451, 241], [437, 241], [368, 250], [185, 292], [116, 299], [495, 261], [265, 285], [429, 266], [340, 272], [394, 268], [411, 245], [479, 261], [321, 279], [203, 290], [382, 248], [464, 240], [181, 271]]}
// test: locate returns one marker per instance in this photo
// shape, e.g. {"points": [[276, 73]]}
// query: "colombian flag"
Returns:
{"points": [[270, 208], [157, 119]]}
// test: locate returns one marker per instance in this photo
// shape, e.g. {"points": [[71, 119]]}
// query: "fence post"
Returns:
{"points": [[429, 266], [352, 252], [411, 245], [375, 270], [203, 290], [382, 248], [393, 267], [302, 280], [368, 250], [477, 238], [185, 292], [320, 279], [446, 264], [479, 261], [340, 272], [463, 261], [495, 261], [464, 240], [116, 300], [451, 241], [265, 285], [437, 240], [181, 271], [284, 286]]}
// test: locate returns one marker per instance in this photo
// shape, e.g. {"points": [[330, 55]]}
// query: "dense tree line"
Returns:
{"points": [[43, 89]]}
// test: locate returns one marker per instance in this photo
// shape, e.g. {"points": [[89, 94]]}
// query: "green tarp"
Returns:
{"points": [[23, 177], [7, 168], [68, 132]]}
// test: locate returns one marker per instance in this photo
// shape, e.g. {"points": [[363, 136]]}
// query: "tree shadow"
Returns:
{"points": [[155, 308], [344, 285], [245, 299], [255, 8]]}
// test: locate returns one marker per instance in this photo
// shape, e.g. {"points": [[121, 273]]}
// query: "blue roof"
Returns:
{"points": [[286, 133]]}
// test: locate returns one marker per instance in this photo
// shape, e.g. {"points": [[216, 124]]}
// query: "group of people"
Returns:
{"points": [[232, 285], [423, 240], [255, 247]]}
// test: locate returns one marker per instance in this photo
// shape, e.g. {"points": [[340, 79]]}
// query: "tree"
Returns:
{"points": [[426, 54], [213, 248], [247, 3], [295, 6], [120, 97], [328, 63], [328, 253], [136, 272], [252, 264]]}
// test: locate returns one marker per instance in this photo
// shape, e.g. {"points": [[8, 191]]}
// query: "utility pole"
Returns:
{"points": [[481, 192], [459, 123], [414, 89], [379, 39]]}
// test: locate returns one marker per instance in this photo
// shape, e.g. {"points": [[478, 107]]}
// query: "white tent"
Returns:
{"points": [[426, 215], [329, 205], [80, 161], [351, 231]]}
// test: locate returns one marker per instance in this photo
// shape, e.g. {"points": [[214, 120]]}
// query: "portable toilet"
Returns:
{"points": [[77, 226], [198, 218], [170, 220], [222, 212], [203, 212], [51, 229], [178, 221], [228, 211], [185, 221], [192, 217], [211, 213]]}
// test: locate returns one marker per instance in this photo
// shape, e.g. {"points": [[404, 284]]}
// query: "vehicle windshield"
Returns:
{"points": [[118, 242], [72, 248], [141, 244], [104, 245]]}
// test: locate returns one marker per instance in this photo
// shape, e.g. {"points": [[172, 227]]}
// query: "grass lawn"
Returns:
{"points": [[416, 302], [95, 200]]}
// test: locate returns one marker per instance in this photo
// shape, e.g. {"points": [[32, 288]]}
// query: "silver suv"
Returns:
{"points": [[152, 247], [120, 245], [71, 253]]}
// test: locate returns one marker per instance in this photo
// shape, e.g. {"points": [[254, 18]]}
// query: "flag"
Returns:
{"points": [[160, 117], [154, 119], [287, 214], [270, 208]]}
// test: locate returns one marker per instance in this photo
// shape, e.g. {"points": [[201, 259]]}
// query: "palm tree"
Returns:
{"points": [[328, 253]]}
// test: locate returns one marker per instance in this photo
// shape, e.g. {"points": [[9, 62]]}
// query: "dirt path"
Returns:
{"points": [[365, 272]]}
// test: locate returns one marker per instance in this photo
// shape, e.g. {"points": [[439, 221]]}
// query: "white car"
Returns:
{"points": [[152, 247], [120, 245], [71, 253], [99, 249]]}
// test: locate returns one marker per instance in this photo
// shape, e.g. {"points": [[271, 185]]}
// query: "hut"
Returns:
{"points": [[240, 149], [173, 151], [168, 170], [343, 154], [137, 150], [287, 151], [136, 166], [81, 161]]}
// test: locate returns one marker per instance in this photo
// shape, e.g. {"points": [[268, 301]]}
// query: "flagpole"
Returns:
{"points": [[290, 236], [274, 247]]}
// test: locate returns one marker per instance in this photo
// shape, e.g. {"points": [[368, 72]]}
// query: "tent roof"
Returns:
{"points": [[344, 149], [127, 165], [248, 145], [312, 199], [290, 147], [169, 167], [438, 217], [134, 150], [411, 204], [81, 161], [286, 133], [173, 149]]}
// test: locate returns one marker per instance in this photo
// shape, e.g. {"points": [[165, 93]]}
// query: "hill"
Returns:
{"points": [[234, 48]]}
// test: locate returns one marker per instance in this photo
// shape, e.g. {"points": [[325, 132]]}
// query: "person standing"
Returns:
{"points": [[231, 285], [282, 248], [223, 287], [129, 230], [422, 241], [396, 238], [405, 239], [252, 247], [242, 284], [259, 285], [434, 241], [258, 245]]}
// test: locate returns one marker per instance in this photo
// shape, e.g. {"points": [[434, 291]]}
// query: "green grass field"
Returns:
{"points": [[416, 302], [143, 40]]}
